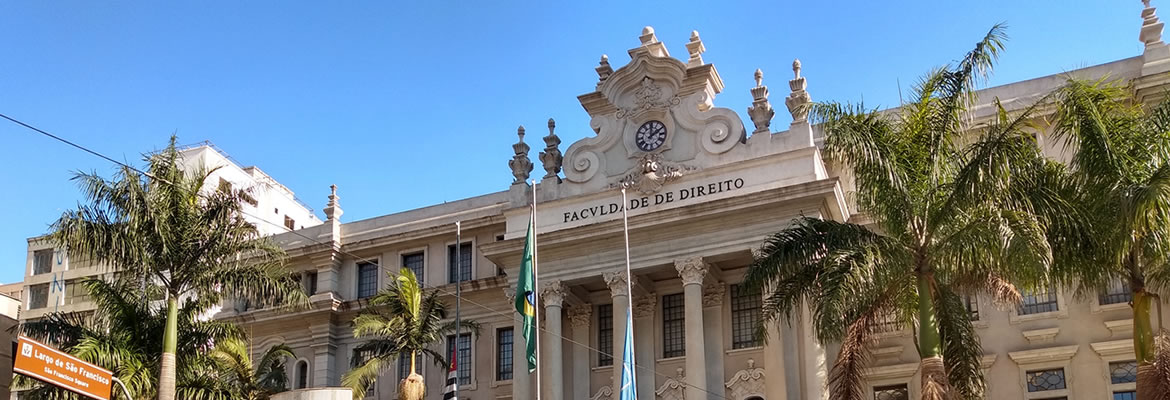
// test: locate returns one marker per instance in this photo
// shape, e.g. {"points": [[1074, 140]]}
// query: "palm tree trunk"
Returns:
{"points": [[934, 376], [1143, 343], [166, 378]]}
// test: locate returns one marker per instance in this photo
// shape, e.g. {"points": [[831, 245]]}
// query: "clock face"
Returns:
{"points": [[651, 135]]}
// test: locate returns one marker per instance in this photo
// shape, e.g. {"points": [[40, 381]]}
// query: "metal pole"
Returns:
{"points": [[123, 386], [629, 288], [458, 298], [536, 291]]}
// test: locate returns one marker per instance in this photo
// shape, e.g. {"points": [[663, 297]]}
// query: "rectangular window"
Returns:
{"points": [[464, 264], [311, 285], [1045, 379], [1117, 292], [745, 316], [605, 335], [75, 292], [414, 261], [504, 354], [1038, 301], [972, 303], [42, 261], [889, 323], [674, 336], [1126, 395], [404, 365], [891, 392], [464, 357], [1123, 372], [38, 296], [290, 223], [367, 280]]}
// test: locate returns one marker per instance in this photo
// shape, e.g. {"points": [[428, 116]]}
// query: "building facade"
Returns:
{"points": [[52, 277], [704, 190]]}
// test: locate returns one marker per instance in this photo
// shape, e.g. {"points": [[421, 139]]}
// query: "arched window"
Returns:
{"points": [[302, 374]]}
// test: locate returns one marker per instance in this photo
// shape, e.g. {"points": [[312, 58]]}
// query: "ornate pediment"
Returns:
{"points": [[651, 173]]}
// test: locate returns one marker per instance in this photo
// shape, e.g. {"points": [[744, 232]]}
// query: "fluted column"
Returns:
{"points": [[553, 294], [644, 344], [692, 270], [521, 380], [619, 289], [580, 319]]}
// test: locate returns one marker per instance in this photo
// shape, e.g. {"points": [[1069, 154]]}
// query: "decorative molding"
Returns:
{"points": [[897, 371], [616, 280], [651, 173], [889, 352], [746, 382], [580, 315], [520, 164], [1113, 348], [673, 388], [553, 294], [604, 393], [648, 97], [645, 305], [987, 360], [510, 293], [551, 157], [713, 294], [1039, 336], [1062, 353], [1120, 327], [691, 270]]}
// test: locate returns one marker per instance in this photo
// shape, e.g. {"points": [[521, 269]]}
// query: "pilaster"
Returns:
{"points": [[713, 295], [619, 290], [580, 320], [553, 296], [692, 271]]}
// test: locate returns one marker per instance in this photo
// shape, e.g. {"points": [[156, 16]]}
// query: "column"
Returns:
{"points": [[692, 270], [324, 356], [329, 274], [813, 366], [552, 355], [775, 373], [713, 295], [580, 320], [619, 289], [521, 380], [644, 344]]}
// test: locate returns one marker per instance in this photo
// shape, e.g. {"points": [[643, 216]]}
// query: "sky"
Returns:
{"points": [[409, 104]]}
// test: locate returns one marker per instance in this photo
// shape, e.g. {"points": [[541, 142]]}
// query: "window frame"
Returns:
{"points": [[601, 335], [1061, 311], [31, 290], [471, 381], [52, 255], [734, 294], [874, 389], [669, 353], [295, 381], [1111, 352], [422, 278], [497, 357], [1044, 359], [1096, 306], [358, 277], [897, 374], [470, 242]]}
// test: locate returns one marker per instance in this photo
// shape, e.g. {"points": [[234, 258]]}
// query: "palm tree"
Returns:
{"points": [[952, 209], [229, 374], [401, 320], [162, 228], [1121, 168], [122, 335]]}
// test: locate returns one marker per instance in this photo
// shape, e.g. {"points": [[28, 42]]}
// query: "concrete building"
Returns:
{"points": [[705, 192], [51, 277]]}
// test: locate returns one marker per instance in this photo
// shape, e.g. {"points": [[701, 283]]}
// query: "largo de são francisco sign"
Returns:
{"points": [[54, 367]]}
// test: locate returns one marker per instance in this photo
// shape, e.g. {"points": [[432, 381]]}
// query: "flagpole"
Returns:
{"points": [[629, 290], [535, 290], [458, 298]]}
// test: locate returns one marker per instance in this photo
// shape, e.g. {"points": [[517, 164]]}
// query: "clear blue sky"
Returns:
{"points": [[407, 104]]}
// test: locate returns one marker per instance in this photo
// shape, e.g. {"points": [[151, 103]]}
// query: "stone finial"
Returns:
{"points": [[519, 163], [551, 157], [797, 100], [648, 36], [1151, 33], [333, 209], [695, 48], [761, 110], [603, 70]]}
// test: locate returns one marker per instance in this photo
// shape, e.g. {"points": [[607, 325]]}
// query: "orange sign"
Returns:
{"points": [[56, 368]]}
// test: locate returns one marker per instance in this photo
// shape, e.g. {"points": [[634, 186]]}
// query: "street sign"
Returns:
{"points": [[57, 368]]}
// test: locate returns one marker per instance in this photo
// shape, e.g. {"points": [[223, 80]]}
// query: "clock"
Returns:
{"points": [[650, 136]]}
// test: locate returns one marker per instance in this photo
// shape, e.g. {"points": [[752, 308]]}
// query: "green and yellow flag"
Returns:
{"points": [[526, 296]]}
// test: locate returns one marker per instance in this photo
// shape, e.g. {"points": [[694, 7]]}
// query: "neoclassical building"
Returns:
{"points": [[706, 188]]}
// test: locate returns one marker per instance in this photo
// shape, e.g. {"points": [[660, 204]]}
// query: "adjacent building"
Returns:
{"points": [[52, 277], [705, 188]]}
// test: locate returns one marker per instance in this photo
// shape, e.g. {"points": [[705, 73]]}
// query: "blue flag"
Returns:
{"points": [[629, 390]]}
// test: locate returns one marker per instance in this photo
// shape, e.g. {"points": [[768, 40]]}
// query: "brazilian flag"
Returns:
{"points": [[526, 296]]}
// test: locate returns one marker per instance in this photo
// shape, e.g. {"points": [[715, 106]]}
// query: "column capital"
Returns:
{"points": [[691, 270], [617, 282], [580, 315], [553, 294], [713, 294], [510, 293], [644, 306]]}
